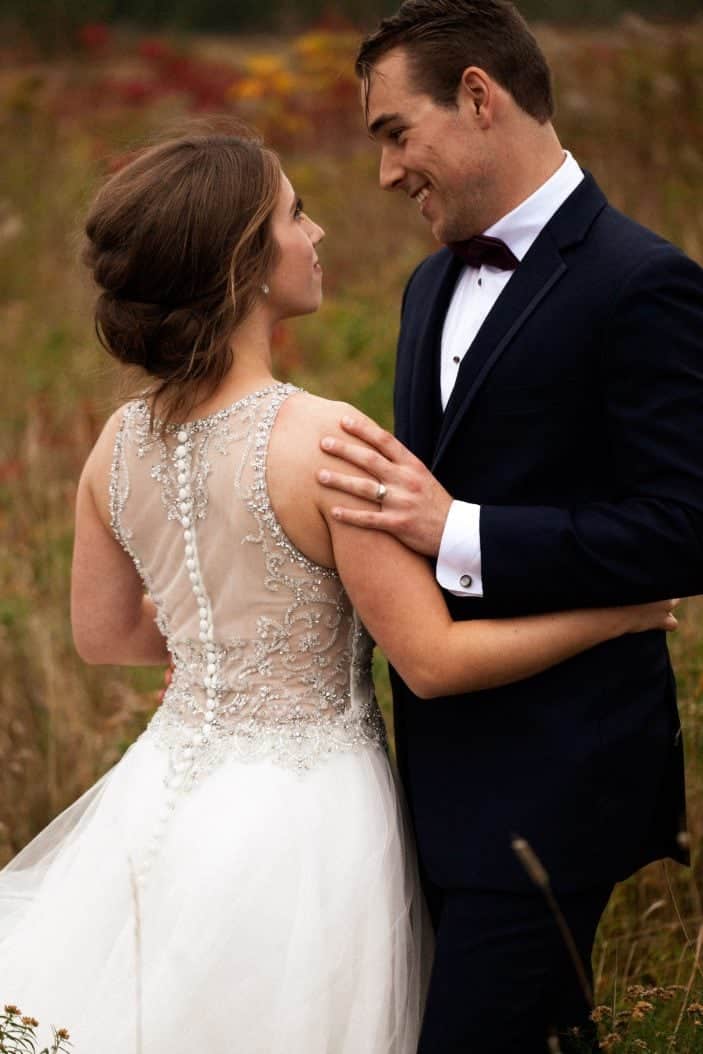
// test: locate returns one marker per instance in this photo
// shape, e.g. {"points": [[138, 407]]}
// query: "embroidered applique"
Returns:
{"points": [[299, 687]]}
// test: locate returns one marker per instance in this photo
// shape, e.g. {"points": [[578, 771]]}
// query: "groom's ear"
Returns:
{"points": [[476, 94]]}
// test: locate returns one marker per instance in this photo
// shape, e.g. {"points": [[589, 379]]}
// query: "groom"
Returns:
{"points": [[550, 387]]}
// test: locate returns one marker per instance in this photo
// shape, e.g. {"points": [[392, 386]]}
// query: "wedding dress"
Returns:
{"points": [[241, 880]]}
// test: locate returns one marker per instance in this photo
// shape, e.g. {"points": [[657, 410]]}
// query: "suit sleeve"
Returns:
{"points": [[646, 542]]}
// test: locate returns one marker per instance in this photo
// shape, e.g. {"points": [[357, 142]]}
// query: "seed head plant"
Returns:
{"points": [[18, 1034]]}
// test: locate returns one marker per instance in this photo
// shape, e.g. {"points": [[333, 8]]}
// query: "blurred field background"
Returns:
{"points": [[77, 97]]}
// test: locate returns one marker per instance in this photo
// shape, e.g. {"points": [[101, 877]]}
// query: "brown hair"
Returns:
{"points": [[442, 38], [180, 243]]}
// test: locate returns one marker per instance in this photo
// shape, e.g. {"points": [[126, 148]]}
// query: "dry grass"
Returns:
{"points": [[630, 108]]}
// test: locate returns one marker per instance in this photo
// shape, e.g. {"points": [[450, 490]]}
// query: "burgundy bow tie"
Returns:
{"points": [[484, 250]]}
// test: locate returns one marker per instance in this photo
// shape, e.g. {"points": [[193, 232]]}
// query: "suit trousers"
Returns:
{"points": [[503, 980]]}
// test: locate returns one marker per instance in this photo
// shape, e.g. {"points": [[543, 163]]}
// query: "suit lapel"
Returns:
{"points": [[424, 403], [530, 283], [536, 276]]}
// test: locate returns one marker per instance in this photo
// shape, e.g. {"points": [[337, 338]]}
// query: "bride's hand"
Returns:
{"points": [[656, 615]]}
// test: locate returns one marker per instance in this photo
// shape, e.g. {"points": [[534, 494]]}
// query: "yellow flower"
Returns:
{"points": [[283, 82], [312, 43], [264, 65], [327, 52], [249, 88]]}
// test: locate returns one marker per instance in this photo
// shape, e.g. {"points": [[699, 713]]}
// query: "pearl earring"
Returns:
{"points": [[265, 289]]}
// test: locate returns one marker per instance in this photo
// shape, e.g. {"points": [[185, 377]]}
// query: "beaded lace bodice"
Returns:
{"points": [[269, 657]]}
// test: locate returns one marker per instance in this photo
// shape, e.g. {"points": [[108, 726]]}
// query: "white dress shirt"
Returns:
{"points": [[478, 288]]}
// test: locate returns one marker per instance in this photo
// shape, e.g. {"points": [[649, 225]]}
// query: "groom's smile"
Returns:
{"points": [[421, 196], [436, 154]]}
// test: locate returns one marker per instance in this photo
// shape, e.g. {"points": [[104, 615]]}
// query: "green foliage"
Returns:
{"points": [[630, 102], [54, 22], [584, 11], [13, 612]]}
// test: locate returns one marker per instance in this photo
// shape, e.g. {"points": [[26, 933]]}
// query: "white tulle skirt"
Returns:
{"points": [[281, 913]]}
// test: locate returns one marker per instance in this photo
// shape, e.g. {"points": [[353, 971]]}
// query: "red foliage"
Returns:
{"points": [[154, 50], [334, 21], [131, 92], [294, 100], [205, 83], [94, 36], [10, 470]]}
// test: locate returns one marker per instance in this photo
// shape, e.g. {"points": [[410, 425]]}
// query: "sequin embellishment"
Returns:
{"points": [[294, 688]]}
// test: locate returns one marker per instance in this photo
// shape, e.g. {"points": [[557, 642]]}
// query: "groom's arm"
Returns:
{"points": [[649, 539], [646, 542]]}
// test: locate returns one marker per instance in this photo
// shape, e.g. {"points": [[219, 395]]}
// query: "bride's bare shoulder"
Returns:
{"points": [[296, 451], [315, 411], [304, 420]]}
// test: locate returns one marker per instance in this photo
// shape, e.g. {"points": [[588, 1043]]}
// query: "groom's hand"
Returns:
{"points": [[414, 506]]}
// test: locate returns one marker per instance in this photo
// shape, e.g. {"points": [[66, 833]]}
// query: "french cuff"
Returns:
{"points": [[459, 560]]}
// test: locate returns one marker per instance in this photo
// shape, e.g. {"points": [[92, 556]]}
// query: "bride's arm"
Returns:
{"points": [[397, 597], [398, 600], [112, 620]]}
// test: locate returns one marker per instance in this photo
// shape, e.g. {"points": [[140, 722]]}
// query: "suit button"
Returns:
{"points": [[465, 581]]}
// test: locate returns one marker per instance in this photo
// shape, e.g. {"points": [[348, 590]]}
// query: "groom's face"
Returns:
{"points": [[436, 154]]}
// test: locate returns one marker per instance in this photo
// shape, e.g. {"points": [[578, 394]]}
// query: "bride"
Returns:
{"points": [[242, 880]]}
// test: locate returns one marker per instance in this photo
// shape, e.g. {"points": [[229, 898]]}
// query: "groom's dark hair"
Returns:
{"points": [[443, 37]]}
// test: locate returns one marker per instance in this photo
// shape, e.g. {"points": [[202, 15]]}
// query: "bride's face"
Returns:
{"points": [[295, 283]]}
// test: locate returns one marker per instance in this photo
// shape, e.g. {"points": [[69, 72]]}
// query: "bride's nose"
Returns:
{"points": [[315, 232]]}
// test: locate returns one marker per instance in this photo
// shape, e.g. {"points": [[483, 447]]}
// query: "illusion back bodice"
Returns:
{"points": [[269, 657]]}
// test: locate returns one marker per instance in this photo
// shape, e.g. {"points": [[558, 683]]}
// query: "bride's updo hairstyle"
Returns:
{"points": [[180, 244]]}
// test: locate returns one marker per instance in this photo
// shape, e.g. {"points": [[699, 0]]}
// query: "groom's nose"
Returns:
{"points": [[391, 172]]}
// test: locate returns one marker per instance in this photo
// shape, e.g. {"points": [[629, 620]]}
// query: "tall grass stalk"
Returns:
{"points": [[630, 108]]}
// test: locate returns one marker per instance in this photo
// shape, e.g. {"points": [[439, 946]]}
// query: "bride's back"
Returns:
{"points": [[264, 640]]}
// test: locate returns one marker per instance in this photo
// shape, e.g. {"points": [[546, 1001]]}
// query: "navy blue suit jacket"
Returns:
{"points": [[577, 423]]}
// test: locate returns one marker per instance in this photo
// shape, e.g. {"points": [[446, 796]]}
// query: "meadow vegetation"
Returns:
{"points": [[630, 106], [52, 23]]}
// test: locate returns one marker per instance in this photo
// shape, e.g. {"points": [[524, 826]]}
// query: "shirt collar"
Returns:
{"points": [[520, 228]]}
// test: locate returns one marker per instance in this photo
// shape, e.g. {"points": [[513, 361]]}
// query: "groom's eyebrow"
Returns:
{"points": [[381, 121]]}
